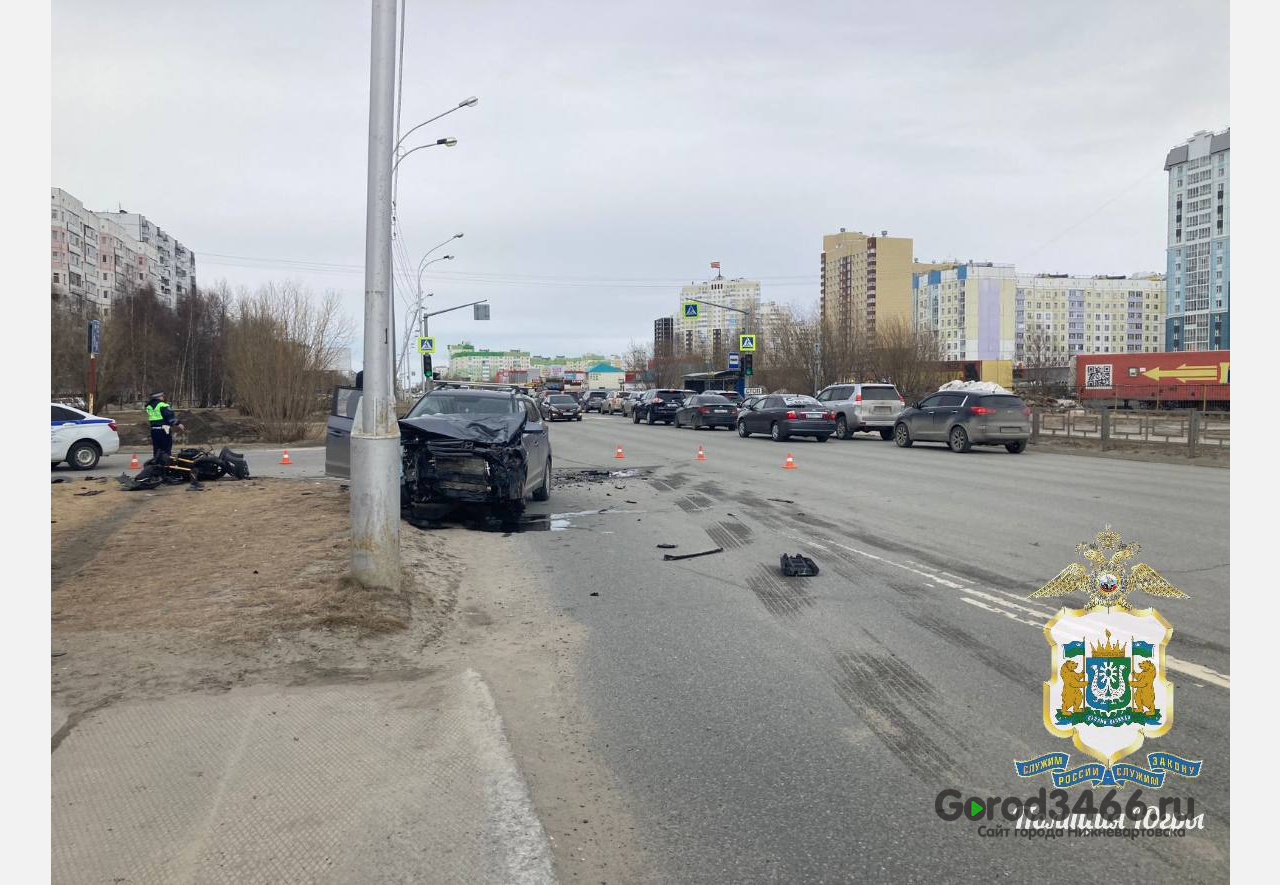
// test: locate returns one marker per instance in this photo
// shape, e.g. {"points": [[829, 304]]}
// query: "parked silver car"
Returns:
{"points": [[966, 418], [628, 404], [863, 408]]}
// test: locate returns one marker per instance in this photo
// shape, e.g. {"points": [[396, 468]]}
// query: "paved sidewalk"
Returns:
{"points": [[345, 781]]}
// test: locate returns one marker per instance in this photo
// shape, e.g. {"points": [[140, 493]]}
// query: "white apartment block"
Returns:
{"points": [[713, 324], [969, 307], [1058, 316], [96, 257]]}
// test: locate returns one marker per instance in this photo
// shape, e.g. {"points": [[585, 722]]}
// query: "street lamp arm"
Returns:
{"points": [[466, 103], [448, 142], [422, 267]]}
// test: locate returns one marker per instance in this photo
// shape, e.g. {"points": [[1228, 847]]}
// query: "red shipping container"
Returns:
{"points": [[1200, 379]]}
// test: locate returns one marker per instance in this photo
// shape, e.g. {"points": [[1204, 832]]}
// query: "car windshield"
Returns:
{"points": [[879, 392], [709, 398], [668, 395], [455, 404], [561, 399]]}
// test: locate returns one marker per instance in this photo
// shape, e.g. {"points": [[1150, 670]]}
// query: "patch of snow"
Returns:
{"points": [[974, 386]]}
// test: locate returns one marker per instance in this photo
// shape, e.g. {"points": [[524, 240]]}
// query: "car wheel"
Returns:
{"points": [[958, 439], [886, 433], [842, 428], [822, 437], [579, 418], [543, 492], [1017, 448], [902, 436], [775, 432], [651, 419], [742, 430], [84, 456]]}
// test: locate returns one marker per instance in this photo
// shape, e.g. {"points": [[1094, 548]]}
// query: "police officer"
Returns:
{"points": [[162, 420]]}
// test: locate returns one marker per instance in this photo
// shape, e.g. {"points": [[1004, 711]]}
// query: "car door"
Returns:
{"points": [[920, 421], [337, 440], [943, 415], [537, 444], [766, 410], [62, 428]]}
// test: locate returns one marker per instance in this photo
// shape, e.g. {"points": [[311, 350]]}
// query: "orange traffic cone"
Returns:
{"points": [[618, 454], [285, 459], [791, 463], [133, 462], [702, 456]]}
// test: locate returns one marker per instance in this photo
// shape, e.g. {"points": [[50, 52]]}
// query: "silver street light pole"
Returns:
{"points": [[375, 436]]}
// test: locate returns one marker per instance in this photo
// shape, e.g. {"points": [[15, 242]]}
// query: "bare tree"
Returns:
{"points": [[1041, 352], [636, 359], [908, 358], [280, 352]]}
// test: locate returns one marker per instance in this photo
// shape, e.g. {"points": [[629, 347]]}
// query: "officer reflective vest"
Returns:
{"points": [[155, 414]]}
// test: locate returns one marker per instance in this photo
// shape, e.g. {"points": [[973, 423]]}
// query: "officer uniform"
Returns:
{"points": [[162, 420]]}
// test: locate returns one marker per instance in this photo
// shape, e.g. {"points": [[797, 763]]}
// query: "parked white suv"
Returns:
{"points": [[79, 438], [863, 408]]}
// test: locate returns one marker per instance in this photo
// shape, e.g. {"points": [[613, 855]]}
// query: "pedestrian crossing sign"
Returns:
{"points": [[691, 310], [426, 345], [747, 343]]}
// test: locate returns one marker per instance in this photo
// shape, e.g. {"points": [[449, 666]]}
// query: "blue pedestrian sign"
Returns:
{"points": [[426, 345], [747, 343], [691, 310], [733, 360]]}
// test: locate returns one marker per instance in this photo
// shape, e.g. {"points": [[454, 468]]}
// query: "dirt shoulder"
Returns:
{"points": [[1208, 456], [178, 592], [206, 427]]}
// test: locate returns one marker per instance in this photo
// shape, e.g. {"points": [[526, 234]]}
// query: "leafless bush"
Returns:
{"points": [[280, 348]]}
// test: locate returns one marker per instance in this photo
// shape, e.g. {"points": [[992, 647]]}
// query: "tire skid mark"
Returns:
{"points": [[722, 538], [1008, 667], [782, 598], [893, 699]]}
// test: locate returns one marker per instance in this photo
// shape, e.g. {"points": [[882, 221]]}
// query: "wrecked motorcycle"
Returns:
{"points": [[187, 466]]}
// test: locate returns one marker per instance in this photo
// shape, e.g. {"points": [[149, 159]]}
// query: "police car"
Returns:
{"points": [[79, 438]]}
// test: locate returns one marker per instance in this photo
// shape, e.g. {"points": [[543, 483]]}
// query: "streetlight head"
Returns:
{"points": [[457, 236], [447, 142], [468, 102], [448, 258]]}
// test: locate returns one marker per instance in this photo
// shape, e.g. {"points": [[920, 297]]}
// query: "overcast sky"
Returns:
{"points": [[617, 149]]}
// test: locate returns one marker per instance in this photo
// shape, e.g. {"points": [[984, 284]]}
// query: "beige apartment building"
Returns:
{"points": [[866, 281]]}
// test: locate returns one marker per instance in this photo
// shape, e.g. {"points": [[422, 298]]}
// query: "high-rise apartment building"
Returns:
{"points": [[715, 328], [866, 282], [96, 257], [664, 337], [1198, 269]]}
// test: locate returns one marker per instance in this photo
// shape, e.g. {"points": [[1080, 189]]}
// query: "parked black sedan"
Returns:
{"points": [[710, 410], [783, 415]]}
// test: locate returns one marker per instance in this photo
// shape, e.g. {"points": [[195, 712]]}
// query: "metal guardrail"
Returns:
{"points": [[1190, 429]]}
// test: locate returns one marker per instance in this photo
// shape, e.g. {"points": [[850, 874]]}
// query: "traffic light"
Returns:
{"points": [[426, 365], [746, 364]]}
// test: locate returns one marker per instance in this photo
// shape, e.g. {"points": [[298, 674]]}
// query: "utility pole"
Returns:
{"points": [[375, 437]]}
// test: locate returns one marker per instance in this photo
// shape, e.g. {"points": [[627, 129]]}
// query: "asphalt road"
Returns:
{"points": [[772, 729]]}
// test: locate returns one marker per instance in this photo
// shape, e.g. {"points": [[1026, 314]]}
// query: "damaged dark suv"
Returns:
{"points": [[458, 447]]}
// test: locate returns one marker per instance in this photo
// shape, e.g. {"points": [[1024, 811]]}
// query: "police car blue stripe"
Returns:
{"points": [[81, 421]]}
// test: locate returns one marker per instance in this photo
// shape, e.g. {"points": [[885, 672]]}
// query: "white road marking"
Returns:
{"points": [[976, 598]]}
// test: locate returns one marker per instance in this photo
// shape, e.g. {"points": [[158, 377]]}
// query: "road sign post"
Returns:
{"points": [[94, 331], [733, 360]]}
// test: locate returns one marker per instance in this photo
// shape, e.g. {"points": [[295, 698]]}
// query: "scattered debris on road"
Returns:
{"points": [[798, 566], [781, 500], [88, 494], [668, 546], [667, 557]]}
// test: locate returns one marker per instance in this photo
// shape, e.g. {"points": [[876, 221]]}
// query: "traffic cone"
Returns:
{"points": [[133, 462], [791, 463], [618, 454], [702, 456], [285, 459]]}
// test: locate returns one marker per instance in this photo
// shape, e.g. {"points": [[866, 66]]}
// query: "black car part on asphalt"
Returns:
{"points": [[798, 566], [477, 461], [671, 557]]}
